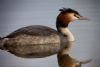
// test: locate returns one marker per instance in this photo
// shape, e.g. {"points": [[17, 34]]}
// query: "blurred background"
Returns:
{"points": [[15, 14]]}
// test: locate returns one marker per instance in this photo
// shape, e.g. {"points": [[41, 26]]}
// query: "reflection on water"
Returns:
{"points": [[61, 48], [34, 51], [32, 46], [65, 60]]}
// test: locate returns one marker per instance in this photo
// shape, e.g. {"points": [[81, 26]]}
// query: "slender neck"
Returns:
{"points": [[70, 38], [63, 28]]}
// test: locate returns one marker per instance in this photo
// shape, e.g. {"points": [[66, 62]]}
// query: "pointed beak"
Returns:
{"points": [[83, 18]]}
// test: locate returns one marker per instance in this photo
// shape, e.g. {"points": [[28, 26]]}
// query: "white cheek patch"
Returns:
{"points": [[73, 17]]}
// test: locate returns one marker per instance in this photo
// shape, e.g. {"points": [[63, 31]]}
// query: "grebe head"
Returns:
{"points": [[71, 14], [68, 15]]}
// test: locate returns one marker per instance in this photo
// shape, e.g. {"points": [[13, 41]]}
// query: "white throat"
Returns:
{"points": [[67, 32]]}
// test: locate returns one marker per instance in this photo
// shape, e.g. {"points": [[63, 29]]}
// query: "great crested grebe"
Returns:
{"points": [[38, 41]]}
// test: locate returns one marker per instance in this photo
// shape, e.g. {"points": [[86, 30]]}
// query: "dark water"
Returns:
{"points": [[18, 13]]}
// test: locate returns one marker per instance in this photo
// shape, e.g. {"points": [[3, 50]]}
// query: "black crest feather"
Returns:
{"points": [[68, 10]]}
